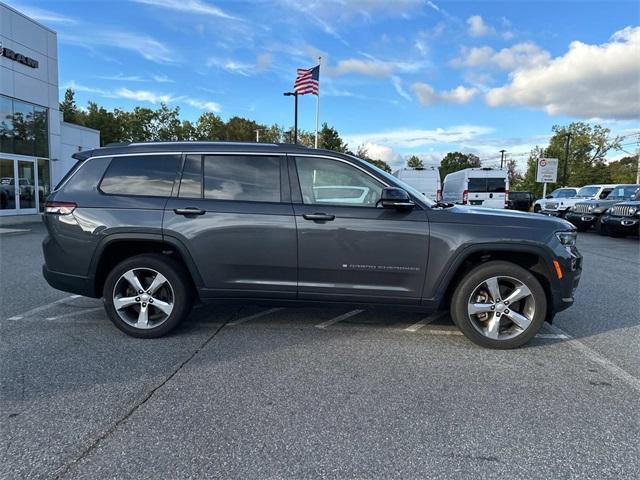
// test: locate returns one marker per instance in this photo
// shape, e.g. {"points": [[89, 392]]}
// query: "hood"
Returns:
{"points": [[493, 216], [630, 203]]}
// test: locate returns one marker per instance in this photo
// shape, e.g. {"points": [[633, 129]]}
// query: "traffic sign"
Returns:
{"points": [[547, 171]]}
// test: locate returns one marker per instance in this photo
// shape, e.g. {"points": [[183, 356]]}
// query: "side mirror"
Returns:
{"points": [[397, 198]]}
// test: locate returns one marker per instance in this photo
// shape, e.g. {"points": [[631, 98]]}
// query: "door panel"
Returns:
{"points": [[240, 247], [364, 253]]}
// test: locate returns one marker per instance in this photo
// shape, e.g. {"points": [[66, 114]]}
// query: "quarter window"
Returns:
{"points": [[242, 178], [151, 175], [330, 182]]}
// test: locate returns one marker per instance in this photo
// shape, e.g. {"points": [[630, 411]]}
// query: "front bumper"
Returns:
{"points": [[622, 225], [581, 220], [555, 213]]}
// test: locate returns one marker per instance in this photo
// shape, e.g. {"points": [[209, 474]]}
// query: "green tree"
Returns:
{"points": [[624, 170], [137, 124], [454, 161], [240, 129], [109, 125], [414, 162], [364, 155], [587, 150], [69, 110], [166, 125], [210, 127], [515, 177], [329, 139]]}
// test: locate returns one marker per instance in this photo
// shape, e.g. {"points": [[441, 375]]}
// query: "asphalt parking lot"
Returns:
{"points": [[259, 392]]}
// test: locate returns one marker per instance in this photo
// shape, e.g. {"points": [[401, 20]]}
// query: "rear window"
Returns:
{"points": [[67, 175], [496, 185], [147, 175], [477, 185]]}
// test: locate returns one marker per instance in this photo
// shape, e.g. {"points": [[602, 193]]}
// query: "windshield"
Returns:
{"points": [[587, 192], [397, 181], [623, 193]]}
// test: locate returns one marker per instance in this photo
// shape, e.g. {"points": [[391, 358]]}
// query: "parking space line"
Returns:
{"points": [[339, 318], [425, 321], [432, 331], [556, 336], [42, 307], [254, 316], [595, 357], [73, 314]]}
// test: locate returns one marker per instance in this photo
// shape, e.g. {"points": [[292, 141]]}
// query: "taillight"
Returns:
{"points": [[59, 208], [438, 195], [465, 197]]}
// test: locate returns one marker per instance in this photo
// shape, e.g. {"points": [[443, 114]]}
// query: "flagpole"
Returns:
{"points": [[318, 102]]}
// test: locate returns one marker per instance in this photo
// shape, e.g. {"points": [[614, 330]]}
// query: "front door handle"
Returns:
{"points": [[319, 217], [188, 211]]}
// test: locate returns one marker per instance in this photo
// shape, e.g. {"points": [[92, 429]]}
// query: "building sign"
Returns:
{"points": [[18, 57], [547, 171]]}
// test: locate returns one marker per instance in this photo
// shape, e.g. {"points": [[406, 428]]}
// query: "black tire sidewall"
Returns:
{"points": [[479, 274], [176, 276]]}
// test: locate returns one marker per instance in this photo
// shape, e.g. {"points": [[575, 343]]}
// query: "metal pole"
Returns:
{"points": [[566, 159], [295, 120], [318, 103], [638, 159], [544, 190], [257, 135], [502, 158]]}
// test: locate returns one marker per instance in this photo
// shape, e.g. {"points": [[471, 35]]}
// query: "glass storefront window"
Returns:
{"points": [[26, 184], [23, 128], [44, 181], [7, 185]]}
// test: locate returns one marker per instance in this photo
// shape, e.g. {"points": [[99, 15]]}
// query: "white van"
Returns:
{"points": [[425, 180], [483, 187]]}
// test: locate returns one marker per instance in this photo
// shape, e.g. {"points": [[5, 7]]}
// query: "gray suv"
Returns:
{"points": [[154, 227]]}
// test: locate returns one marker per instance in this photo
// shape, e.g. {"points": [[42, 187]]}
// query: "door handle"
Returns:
{"points": [[188, 211], [319, 217]]}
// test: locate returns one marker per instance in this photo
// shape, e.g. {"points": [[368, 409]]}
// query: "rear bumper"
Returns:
{"points": [[77, 284]]}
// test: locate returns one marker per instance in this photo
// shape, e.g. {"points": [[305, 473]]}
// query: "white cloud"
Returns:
{"points": [[587, 81], [203, 105], [44, 16], [397, 84], [428, 96], [526, 54], [241, 68], [121, 78], [143, 96], [196, 7], [478, 27], [409, 138], [384, 153], [372, 68], [162, 79]]}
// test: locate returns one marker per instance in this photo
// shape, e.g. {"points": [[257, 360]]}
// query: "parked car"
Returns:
{"points": [[622, 219], [560, 207], [520, 201], [585, 215], [425, 180], [565, 192], [153, 227], [482, 187]]}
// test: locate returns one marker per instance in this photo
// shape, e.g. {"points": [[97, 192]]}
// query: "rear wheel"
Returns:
{"points": [[499, 305], [148, 295]]}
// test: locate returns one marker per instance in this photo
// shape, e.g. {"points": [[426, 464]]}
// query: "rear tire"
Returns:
{"points": [[504, 317], [148, 295]]}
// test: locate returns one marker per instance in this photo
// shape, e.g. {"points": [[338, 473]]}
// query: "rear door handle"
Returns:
{"points": [[319, 217], [188, 211]]}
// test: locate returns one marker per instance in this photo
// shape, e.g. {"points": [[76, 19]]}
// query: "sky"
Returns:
{"points": [[401, 77]]}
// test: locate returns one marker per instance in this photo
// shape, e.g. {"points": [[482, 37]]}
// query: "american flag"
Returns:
{"points": [[307, 81]]}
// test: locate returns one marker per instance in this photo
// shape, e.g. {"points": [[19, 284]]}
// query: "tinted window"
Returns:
{"points": [[191, 183], [477, 185], [496, 185], [151, 175], [242, 178], [566, 193], [330, 182]]}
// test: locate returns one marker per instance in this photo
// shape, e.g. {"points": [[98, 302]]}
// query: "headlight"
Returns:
{"points": [[568, 239], [590, 208], [633, 211]]}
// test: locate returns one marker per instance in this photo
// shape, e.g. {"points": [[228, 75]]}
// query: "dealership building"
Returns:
{"points": [[35, 144]]}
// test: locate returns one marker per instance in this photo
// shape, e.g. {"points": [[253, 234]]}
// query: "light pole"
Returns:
{"points": [[566, 159], [295, 114], [502, 158]]}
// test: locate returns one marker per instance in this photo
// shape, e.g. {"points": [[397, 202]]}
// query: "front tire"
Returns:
{"points": [[148, 295], [499, 305]]}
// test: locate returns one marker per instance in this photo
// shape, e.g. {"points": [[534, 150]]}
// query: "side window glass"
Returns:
{"points": [[331, 182], [191, 182], [242, 178], [147, 175]]}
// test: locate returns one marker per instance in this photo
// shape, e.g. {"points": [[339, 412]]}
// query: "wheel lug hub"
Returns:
{"points": [[151, 300], [144, 304], [497, 314], [137, 299]]}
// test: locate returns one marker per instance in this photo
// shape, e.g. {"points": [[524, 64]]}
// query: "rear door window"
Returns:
{"points": [[248, 178], [477, 185], [496, 185], [143, 175]]}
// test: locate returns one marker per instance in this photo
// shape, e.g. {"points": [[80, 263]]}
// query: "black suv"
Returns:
{"points": [[589, 213], [623, 218], [153, 227]]}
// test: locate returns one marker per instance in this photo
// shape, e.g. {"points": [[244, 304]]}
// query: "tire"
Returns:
{"points": [[581, 228], [165, 308], [537, 208], [530, 310]]}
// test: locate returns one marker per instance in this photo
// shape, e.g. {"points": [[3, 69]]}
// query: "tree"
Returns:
{"points": [[515, 178], [330, 139], [68, 108], [623, 170], [240, 129], [110, 126], [454, 161], [414, 162], [364, 155], [587, 150], [210, 127]]}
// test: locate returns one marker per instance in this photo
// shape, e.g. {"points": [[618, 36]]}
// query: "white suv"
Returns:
{"points": [[559, 207], [558, 193]]}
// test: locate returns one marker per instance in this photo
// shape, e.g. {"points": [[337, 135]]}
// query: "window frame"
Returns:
{"points": [[177, 176], [297, 187]]}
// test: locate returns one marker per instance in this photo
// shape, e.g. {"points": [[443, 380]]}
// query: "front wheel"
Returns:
{"points": [[148, 295], [537, 208], [499, 305]]}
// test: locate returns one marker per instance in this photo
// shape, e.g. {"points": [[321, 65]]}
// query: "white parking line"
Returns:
{"points": [[254, 316], [432, 331], [339, 318], [73, 314], [556, 336], [42, 307], [425, 321], [595, 357]]}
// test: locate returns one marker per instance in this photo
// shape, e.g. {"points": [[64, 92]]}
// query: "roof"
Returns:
{"points": [[186, 147]]}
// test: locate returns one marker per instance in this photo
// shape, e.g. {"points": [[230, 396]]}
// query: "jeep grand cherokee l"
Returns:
{"points": [[153, 227]]}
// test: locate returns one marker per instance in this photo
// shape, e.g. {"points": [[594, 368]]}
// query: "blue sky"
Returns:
{"points": [[402, 77]]}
